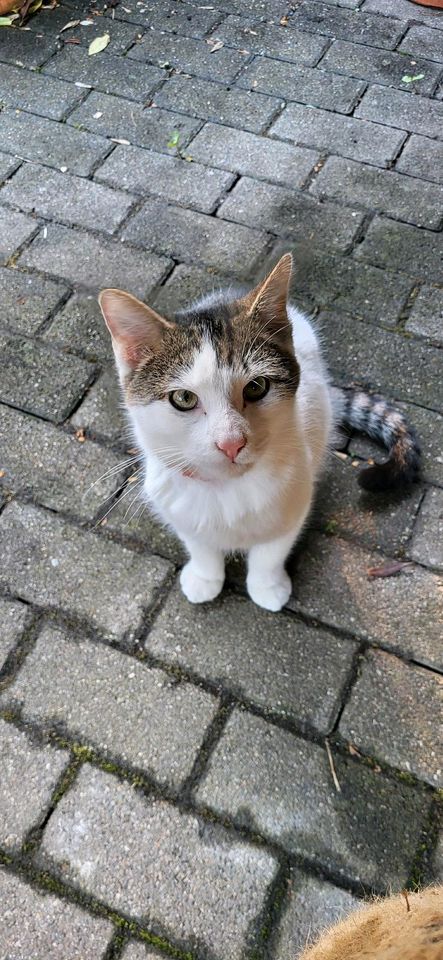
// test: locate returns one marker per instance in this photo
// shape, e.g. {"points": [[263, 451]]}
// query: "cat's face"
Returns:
{"points": [[211, 393]]}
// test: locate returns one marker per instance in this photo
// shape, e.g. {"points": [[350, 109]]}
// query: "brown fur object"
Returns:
{"points": [[387, 930]]}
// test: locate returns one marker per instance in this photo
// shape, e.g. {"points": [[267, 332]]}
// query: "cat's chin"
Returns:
{"points": [[218, 475]]}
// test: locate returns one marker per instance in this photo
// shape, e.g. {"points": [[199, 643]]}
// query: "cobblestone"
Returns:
{"points": [[263, 38], [427, 543], [345, 25], [110, 74], [54, 144], [37, 769], [78, 684], [405, 198], [28, 300], [32, 452], [332, 133], [422, 157], [15, 229], [72, 199], [401, 613], [79, 327], [57, 550], [27, 49], [253, 156], [402, 10], [311, 906], [189, 879], [100, 413], [168, 229], [274, 665], [281, 787], [7, 166], [171, 178], [307, 85], [423, 41], [426, 318], [403, 247], [210, 101], [125, 120], [395, 714], [39, 380], [172, 17], [299, 218], [13, 618], [94, 262], [34, 923], [401, 109], [186, 284], [381, 66], [189, 56], [39, 94]]}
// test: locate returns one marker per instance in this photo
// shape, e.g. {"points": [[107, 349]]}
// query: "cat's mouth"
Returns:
{"points": [[236, 470]]}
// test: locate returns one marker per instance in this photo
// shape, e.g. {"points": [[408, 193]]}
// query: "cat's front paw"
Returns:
{"points": [[195, 588], [271, 596]]}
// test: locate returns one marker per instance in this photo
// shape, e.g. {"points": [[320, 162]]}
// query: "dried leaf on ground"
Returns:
{"points": [[70, 25], [99, 44], [389, 569]]}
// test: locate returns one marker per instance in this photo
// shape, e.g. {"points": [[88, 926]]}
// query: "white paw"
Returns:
{"points": [[271, 596], [196, 589]]}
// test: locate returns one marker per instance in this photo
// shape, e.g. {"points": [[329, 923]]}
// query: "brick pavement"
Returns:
{"points": [[166, 788]]}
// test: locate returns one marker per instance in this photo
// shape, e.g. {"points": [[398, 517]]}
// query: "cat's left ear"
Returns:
{"points": [[267, 303], [136, 330]]}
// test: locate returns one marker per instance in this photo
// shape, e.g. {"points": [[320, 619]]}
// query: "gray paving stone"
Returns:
{"points": [[39, 94], [62, 197], [347, 25], [426, 319], [39, 380], [27, 300], [34, 924], [357, 288], [172, 178], [117, 118], [172, 17], [94, 262], [295, 216], [91, 691], [282, 788], [13, 619], [381, 66], [211, 101], [399, 246], [188, 879], [429, 427], [53, 467], [27, 49], [438, 859], [79, 328], [130, 519], [190, 56], [384, 191], [332, 133], [307, 85], [139, 951], [403, 10], [351, 4], [186, 284], [68, 565], [100, 413], [262, 9], [427, 542], [274, 663], [168, 230], [402, 109], [107, 73], [253, 156], [311, 906], [7, 164], [29, 775], [423, 158], [54, 144], [15, 229], [378, 521], [395, 714], [424, 42], [271, 40], [401, 613]]}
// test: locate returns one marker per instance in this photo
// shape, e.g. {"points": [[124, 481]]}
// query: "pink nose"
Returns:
{"points": [[231, 448]]}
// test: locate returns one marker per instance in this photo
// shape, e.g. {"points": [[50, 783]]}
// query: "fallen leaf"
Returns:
{"points": [[117, 140], [353, 750], [80, 435], [389, 569], [99, 44], [216, 46], [284, 21], [87, 23], [7, 21], [409, 79], [68, 26], [174, 140]]}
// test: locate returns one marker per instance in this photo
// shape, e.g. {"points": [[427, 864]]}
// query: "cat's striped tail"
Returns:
{"points": [[381, 421]]}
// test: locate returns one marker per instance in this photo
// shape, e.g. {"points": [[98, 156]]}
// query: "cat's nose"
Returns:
{"points": [[231, 448]]}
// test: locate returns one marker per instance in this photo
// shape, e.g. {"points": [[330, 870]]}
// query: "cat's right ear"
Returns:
{"points": [[137, 331]]}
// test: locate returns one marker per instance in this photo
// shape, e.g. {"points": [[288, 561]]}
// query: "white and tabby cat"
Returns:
{"points": [[232, 409]]}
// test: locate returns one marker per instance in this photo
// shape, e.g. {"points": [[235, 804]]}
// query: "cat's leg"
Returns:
{"points": [[203, 575], [268, 583]]}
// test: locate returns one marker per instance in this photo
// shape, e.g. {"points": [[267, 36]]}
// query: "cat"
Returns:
{"points": [[232, 408]]}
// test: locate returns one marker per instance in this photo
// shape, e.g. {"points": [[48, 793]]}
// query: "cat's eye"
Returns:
{"points": [[183, 399], [256, 389]]}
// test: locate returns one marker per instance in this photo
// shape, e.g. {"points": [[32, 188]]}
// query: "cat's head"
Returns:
{"points": [[212, 392]]}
